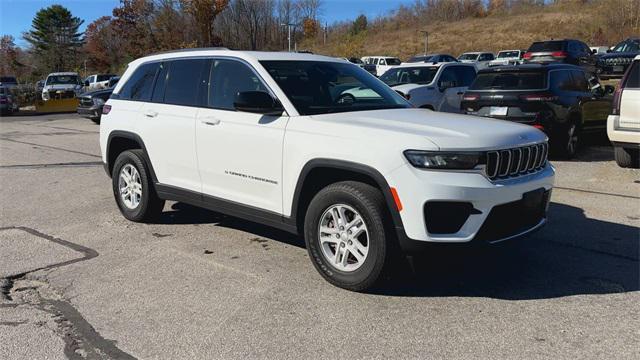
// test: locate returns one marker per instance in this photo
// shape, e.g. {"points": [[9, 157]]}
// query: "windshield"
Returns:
{"points": [[393, 61], [468, 57], [8, 80], [63, 80], [320, 87], [627, 46], [409, 75], [517, 80], [104, 77], [545, 46], [508, 54]]}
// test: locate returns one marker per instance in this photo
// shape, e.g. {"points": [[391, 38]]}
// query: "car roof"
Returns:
{"points": [[509, 50], [62, 73], [477, 52], [529, 67], [247, 55], [431, 64]]}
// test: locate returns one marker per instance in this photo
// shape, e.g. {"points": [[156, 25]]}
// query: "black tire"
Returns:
{"points": [[150, 206], [369, 203], [627, 158]]}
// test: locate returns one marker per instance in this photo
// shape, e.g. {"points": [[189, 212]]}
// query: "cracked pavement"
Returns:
{"points": [[79, 281]]}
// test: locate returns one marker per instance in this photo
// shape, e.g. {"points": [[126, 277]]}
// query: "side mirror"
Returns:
{"points": [[258, 102], [608, 50], [608, 89], [594, 51], [86, 83]]}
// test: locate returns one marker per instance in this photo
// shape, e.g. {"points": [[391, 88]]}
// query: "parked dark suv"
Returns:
{"points": [[566, 51], [561, 100], [614, 63]]}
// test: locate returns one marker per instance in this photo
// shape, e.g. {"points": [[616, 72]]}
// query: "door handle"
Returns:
{"points": [[210, 121], [151, 113]]}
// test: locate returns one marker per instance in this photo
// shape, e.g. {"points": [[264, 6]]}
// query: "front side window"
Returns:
{"points": [[140, 83], [409, 75], [322, 87], [393, 62], [228, 78], [184, 82]]}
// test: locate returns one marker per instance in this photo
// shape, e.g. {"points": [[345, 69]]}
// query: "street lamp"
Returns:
{"points": [[288, 25]]}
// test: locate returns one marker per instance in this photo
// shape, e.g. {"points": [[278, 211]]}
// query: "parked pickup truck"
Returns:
{"points": [[97, 81], [382, 63], [507, 57]]}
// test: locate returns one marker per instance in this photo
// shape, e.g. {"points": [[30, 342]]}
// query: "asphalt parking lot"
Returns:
{"points": [[78, 280]]}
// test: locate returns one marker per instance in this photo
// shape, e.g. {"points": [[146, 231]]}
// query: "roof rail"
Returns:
{"points": [[189, 49]]}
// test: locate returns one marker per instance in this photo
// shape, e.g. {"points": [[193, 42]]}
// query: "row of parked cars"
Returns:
{"points": [[554, 86]]}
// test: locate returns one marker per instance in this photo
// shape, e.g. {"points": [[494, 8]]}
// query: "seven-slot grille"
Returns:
{"points": [[502, 164]]}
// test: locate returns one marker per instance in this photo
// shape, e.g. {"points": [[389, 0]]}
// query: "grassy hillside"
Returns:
{"points": [[598, 23]]}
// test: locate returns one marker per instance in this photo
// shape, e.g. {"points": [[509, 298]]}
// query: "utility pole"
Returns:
{"points": [[426, 41], [288, 25]]}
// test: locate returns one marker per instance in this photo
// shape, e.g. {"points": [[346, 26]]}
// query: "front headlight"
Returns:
{"points": [[98, 101], [443, 160], [45, 95]]}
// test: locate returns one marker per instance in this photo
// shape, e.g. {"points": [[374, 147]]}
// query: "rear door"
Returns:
{"points": [[239, 153], [596, 106], [453, 82], [169, 123]]}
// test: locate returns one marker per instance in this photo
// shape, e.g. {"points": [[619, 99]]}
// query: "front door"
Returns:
{"points": [[239, 153]]}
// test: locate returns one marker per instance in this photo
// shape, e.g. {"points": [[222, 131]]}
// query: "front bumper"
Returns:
{"points": [[490, 203], [92, 112]]}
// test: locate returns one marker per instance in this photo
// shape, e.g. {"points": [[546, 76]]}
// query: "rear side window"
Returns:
{"points": [[520, 80], [466, 75], [544, 46], [184, 82], [227, 79], [140, 84], [580, 81], [633, 79], [562, 81]]}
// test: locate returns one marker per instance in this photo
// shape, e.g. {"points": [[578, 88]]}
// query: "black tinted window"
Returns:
{"points": [[139, 85], [466, 75], [633, 79], [409, 75], [227, 79], [544, 46], [184, 81], [580, 81], [517, 80], [562, 80]]}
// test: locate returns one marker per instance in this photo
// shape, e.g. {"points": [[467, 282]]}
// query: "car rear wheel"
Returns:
{"points": [[346, 234], [627, 158], [567, 141], [133, 188]]}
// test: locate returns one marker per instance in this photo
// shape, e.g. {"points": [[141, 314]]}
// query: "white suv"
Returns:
{"points": [[282, 139], [437, 87], [623, 127]]}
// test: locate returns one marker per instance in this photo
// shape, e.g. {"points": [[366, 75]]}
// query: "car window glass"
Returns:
{"points": [[161, 83], [466, 75], [375, 61], [633, 79], [562, 80], [580, 81], [544, 46], [449, 77], [138, 86], [184, 82], [517, 80], [409, 75], [227, 79]]}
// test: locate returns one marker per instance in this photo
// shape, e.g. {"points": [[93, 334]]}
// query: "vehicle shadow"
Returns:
{"points": [[595, 147], [181, 213], [572, 255]]}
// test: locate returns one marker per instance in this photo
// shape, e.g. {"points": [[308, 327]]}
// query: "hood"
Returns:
{"points": [[614, 55], [405, 88], [446, 130], [60, 87]]}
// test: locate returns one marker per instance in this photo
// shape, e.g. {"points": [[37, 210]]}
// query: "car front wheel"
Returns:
{"points": [[346, 236]]}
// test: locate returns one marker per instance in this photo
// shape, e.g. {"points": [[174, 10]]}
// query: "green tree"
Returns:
{"points": [[55, 38], [359, 25]]}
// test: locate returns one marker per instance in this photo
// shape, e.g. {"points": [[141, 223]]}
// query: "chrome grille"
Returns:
{"points": [[86, 101], [502, 164]]}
